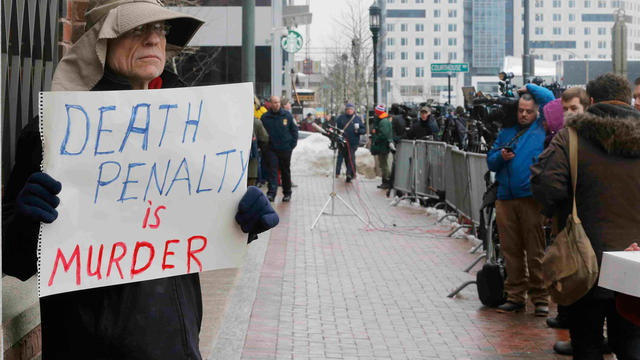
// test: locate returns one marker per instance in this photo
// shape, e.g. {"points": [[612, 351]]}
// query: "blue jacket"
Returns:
{"points": [[513, 176], [350, 133], [283, 132]]}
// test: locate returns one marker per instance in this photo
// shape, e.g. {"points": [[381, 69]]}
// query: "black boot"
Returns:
{"points": [[563, 347]]}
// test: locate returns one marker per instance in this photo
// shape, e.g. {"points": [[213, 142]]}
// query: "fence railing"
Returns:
{"points": [[432, 169]]}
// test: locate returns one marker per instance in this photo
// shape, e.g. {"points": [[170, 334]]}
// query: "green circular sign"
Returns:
{"points": [[292, 42]]}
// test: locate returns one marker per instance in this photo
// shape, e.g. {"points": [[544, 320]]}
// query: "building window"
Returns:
{"points": [[436, 27], [453, 41], [602, 4], [419, 55], [572, 30], [453, 1], [453, 27], [403, 27], [437, 42], [419, 27], [391, 41], [419, 72], [390, 1], [390, 55], [453, 13], [437, 55], [539, 17], [436, 13], [403, 41], [557, 31], [587, 31], [403, 72], [419, 1], [572, 4], [602, 56], [403, 1], [539, 3], [389, 73], [587, 3], [539, 30], [557, 17], [587, 44], [602, 44], [404, 55], [390, 27], [572, 17], [602, 31], [453, 56], [557, 3], [557, 57], [419, 41]]}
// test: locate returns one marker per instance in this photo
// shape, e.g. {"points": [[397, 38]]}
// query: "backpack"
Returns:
{"points": [[570, 266], [490, 279]]}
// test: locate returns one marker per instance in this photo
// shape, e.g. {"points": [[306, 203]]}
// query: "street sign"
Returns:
{"points": [[291, 43], [450, 68], [296, 15]]}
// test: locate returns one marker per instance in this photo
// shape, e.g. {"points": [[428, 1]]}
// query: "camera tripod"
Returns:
{"points": [[333, 195]]}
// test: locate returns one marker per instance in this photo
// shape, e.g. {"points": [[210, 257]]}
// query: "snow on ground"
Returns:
{"points": [[312, 156]]}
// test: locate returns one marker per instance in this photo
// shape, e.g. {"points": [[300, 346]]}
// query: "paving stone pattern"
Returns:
{"points": [[344, 292]]}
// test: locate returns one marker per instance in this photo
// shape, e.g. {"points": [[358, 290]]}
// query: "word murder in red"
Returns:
{"points": [[139, 180], [104, 263]]}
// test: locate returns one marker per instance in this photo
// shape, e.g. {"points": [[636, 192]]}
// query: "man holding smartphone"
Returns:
{"points": [[520, 223]]}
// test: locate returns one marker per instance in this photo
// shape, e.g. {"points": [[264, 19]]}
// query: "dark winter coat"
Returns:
{"points": [[398, 124], [154, 319], [350, 133], [283, 132], [421, 129], [382, 135], [608, 189]]}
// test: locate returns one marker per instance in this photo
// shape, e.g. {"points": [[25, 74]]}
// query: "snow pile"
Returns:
{"points": [[312, 156]]}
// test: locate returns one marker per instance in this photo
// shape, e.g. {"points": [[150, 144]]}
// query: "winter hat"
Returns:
{"points": [[380, 109], [426, 109], [554, 115], [83, 65], [349, 105]]}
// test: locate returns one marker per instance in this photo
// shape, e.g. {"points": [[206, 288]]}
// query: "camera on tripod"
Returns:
{"points": [[334, 134]]}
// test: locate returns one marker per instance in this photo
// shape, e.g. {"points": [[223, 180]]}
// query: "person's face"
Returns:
{"points": [[349, 111], [636, 97], [424, 115], [275, 104], [527, 112], [573, 106], [139, 55]]}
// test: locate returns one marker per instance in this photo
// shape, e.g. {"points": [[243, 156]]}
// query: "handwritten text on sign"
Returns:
{"points": [[151, 182]]}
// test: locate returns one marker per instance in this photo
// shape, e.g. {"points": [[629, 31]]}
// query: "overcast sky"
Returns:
{"points": [[324, 29]]}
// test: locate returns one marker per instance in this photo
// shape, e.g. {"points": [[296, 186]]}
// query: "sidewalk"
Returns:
{"points": [[344, 292]]}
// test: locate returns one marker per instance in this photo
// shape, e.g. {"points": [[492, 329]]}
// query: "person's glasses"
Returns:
{"points": [[159, 28]]}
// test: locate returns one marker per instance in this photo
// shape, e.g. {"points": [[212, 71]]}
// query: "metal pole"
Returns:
{"points": [[449, 87], [526, 57], [248, 41], [375, 69]]}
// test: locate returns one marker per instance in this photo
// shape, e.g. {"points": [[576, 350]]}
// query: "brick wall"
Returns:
{"points": [[73, 24]]}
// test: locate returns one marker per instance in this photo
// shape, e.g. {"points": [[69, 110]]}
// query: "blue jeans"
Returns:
{"points": [[349, 157]]}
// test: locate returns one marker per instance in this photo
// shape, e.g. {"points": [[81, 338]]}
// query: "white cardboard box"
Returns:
{"points": [[620, 272]]}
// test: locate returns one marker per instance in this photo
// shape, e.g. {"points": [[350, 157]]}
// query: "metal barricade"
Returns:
{"points": [[436, 153], [403, 173], [477, 164], [422, 169], [461, 182], [449, 178]]}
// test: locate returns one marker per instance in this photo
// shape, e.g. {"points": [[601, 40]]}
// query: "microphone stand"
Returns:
{"points": [[333, 195]]}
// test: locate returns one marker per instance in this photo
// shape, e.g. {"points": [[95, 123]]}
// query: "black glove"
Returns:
{"points": [[37, 201], [255, 214]]}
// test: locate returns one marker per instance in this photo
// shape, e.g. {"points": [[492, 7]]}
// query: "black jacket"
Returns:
{"points": [[155, 319], [283, 132], [350, 133], [421, 129]]}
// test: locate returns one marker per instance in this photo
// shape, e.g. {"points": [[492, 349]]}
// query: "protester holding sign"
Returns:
{"points": [[124, 48]]}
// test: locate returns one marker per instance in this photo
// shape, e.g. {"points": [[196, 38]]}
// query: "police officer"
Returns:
{"points": [[351, 124], [283, 138]]}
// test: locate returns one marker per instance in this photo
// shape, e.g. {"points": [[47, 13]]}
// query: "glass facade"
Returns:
{"points": [[488, 33]]}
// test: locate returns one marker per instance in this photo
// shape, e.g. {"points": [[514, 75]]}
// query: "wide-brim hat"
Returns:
{"points": [[83, 65]]}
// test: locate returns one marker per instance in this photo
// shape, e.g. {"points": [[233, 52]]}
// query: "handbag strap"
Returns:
{"points": [[348, 122], [573, 164]]}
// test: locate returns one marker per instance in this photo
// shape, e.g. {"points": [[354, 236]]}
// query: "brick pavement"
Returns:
{"points": [[344, 292]]}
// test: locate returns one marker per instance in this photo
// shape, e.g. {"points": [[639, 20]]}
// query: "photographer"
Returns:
{"points": [[517, 213], [424, 127]]}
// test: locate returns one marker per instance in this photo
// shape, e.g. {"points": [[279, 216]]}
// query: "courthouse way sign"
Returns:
{"points": [[151, 182], [450, 68]]}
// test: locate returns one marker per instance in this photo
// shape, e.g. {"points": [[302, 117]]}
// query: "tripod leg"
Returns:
{"points": [[315, 222], [352, 210]]}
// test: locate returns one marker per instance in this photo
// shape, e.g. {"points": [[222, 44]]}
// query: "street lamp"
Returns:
{"points": [[374, 26]]}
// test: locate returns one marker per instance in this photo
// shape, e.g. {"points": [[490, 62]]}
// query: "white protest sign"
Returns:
{"points": [[151, 182]]}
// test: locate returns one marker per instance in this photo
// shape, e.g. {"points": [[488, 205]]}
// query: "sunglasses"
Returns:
{"points": [[159, 28]]}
